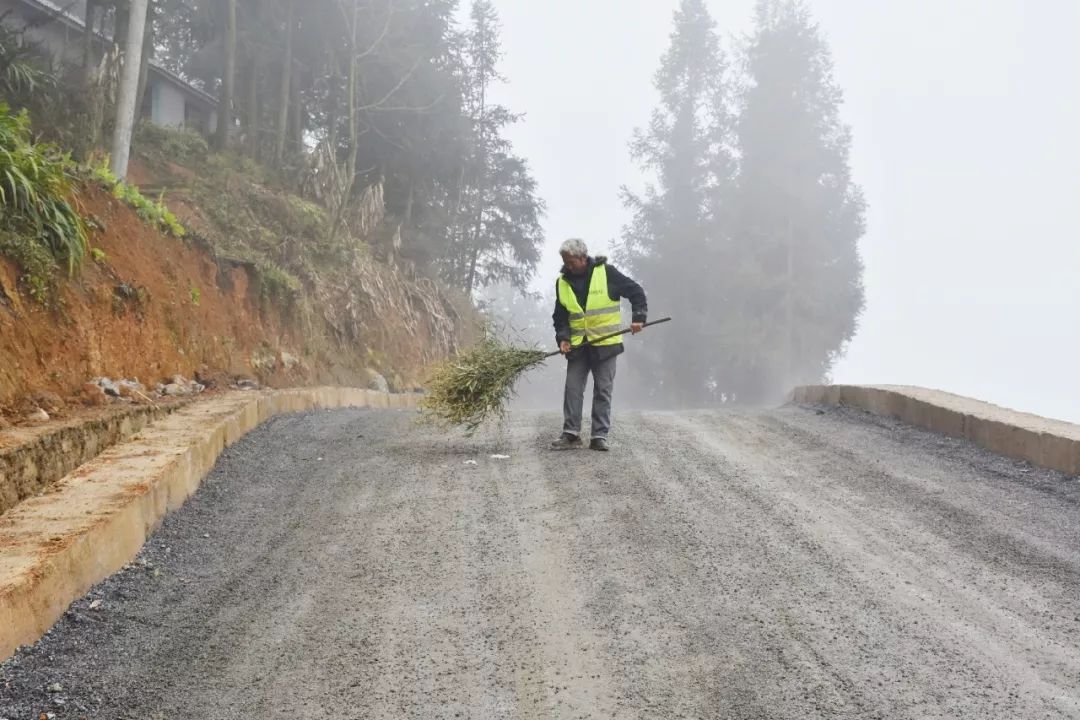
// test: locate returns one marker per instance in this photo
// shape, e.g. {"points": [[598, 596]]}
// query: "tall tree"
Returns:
{"points": [[677, 238], [799, 214], [498, 230], [228, 78]]}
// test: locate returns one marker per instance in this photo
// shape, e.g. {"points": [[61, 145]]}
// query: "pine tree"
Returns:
{"points": [[497, 233], [677, 238], [798, 285]]}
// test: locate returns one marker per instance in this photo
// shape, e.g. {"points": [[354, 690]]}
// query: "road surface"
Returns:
{"points": [[791, 563]]}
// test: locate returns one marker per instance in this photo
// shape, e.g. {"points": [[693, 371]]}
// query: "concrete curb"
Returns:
{"points": [[55, 547], [1046, 443]]}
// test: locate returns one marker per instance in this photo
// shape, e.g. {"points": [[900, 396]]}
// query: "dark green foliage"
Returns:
{"points": [[36, 193], [467, 206], [37, 266], [750, 232], [799, 215], [166, 144], [24, 69], [677, 243]]}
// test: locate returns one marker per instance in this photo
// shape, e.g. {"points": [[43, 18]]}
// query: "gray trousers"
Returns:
{"points": [[577, 374]]}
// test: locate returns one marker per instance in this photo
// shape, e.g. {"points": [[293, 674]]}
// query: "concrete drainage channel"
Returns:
{"points": [[33, 458], [55, 547]]}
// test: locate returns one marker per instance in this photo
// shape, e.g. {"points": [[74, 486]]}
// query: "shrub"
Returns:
{"points": [[148, 210], [278, 285], [173, 144], [37, 266], [36, 187]]}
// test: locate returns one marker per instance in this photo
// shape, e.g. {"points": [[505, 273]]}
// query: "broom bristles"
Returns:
{"points": [[477, 385]]}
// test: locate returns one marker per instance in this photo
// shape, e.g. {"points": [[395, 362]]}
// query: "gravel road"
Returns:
{"points": [[792, 563]]}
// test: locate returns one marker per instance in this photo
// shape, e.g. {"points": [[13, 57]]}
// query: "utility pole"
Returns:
{"points": [[129, 89]]}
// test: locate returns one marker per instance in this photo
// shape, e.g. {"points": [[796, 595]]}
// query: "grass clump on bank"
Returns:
{"points": [[40, 229], [150, 211], [477, 384]]}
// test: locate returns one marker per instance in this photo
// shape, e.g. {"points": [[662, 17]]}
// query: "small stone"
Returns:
{"points": [[55, 688], [95, 604], [130, 388], [289, 360], [175, 390], [206, 535], [49, 401], [93, 395], [37, 415], [377, 382]]}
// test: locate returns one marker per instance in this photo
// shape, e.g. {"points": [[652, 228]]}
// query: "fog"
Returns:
{"points": [[964, 115]]}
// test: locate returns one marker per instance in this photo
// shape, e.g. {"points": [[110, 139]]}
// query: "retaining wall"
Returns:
{"points": [[1046, 443], [55, 547]]}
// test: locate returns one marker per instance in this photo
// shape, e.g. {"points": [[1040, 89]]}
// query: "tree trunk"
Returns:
{"points": [[144, 63], [470, 280], [129, 86], [333, 102], [228, 81], [354, 139], [296, 114], [89, 63], [286, 81], [253, 109], [92, 93]]}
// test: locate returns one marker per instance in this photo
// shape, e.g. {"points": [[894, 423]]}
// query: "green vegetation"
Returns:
{"points": [[166, 144], [37, 267], [150, 211], [40, 229], [277, 285], [477, 384]]}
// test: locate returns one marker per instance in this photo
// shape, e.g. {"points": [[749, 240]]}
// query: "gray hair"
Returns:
{"points": [[575, 247]]}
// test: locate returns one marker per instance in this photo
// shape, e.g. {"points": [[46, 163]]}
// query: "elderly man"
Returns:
{"points": [[587, 296]]}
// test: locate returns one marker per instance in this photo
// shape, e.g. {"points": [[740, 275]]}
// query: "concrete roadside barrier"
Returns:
{"points": [[56, 546], [1051, 444]]}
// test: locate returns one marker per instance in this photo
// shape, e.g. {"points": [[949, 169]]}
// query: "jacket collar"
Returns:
{"points": [[593, 262]]}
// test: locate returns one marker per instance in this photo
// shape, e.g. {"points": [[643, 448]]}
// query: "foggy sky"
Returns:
{"points": [[965, 115]]}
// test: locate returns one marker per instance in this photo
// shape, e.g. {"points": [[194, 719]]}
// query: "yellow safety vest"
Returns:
{"points": [[600, 316]]}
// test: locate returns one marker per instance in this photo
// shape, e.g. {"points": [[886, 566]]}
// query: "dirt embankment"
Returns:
{"points": [[149, 306]]}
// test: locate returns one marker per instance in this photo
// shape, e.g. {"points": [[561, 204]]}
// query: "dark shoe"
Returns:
{"points": [[566, 442], [599, 444]]}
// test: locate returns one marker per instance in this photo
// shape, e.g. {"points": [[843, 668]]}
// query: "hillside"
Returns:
{"points": [[252, 290]]}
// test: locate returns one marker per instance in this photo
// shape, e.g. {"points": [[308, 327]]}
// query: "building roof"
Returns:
{"points": [[62, 15]]}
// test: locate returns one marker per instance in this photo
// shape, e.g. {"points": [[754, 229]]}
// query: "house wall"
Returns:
{"points": [[168, 104]]}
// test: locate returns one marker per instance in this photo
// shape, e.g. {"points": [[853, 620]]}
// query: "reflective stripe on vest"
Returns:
{"points": [[600, 316]]}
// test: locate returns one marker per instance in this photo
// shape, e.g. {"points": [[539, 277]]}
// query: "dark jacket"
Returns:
{"points": [[619, 287]]}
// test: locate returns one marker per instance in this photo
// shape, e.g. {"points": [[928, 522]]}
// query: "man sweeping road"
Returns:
{"points": [[587, 296]]}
